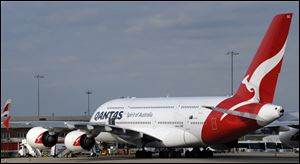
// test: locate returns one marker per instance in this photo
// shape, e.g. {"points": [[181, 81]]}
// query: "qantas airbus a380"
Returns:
{"points": [[180, 122]]}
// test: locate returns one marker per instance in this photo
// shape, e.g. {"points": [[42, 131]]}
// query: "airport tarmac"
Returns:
{"points": [[253, 157]]}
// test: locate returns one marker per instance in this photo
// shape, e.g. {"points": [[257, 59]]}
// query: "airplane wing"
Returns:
{"points": [[124, 133], [91, 128]]}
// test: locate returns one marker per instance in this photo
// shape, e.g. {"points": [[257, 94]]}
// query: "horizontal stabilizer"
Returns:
{"points": [[236, 113]]}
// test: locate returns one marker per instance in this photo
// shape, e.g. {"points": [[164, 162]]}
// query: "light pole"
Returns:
{"points": [[38, 78], [232, 53], [88, 93]]}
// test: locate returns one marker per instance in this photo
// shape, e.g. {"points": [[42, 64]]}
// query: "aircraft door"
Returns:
{"points": [[153, 122], [186, 124], [214, 124], [189, 137]]}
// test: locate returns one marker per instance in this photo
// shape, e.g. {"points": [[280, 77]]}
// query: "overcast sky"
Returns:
{"points": [[136, 49]]}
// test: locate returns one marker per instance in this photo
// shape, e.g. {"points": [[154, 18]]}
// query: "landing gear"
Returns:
{"points": [[143, 154], [169, 153], [173, 153], [197, 153]]}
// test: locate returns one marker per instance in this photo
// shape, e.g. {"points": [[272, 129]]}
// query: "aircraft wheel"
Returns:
{"points": [[143, 154], [188, 154]]}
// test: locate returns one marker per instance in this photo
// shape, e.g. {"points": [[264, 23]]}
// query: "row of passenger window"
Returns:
{"points": [[170, 122], [160, 122], [189, 107], [153, 107], [115, 107], [133, 122], [196, 122]]}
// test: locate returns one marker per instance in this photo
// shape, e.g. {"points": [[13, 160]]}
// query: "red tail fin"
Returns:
{"points": [[260, 80], [5, 113], [6, 122]]}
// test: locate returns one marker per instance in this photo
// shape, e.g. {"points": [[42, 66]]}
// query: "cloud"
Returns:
{"points": [[81, 16], [160, 21]]}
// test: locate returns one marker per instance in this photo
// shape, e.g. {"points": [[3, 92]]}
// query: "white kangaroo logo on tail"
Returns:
{"points": [[253, 84]]}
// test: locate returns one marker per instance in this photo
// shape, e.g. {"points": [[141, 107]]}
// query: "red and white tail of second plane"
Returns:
{"points": [[5, 116]]}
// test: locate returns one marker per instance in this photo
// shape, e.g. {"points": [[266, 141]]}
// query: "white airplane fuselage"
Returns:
{"points": [[177, 122]]}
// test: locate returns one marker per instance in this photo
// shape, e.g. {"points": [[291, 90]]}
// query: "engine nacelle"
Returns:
{"points": [[40, 138], [78, 141]]}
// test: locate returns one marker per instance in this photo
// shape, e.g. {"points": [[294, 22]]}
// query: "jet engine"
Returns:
{"points": [[41, 138], [78, 141]]}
